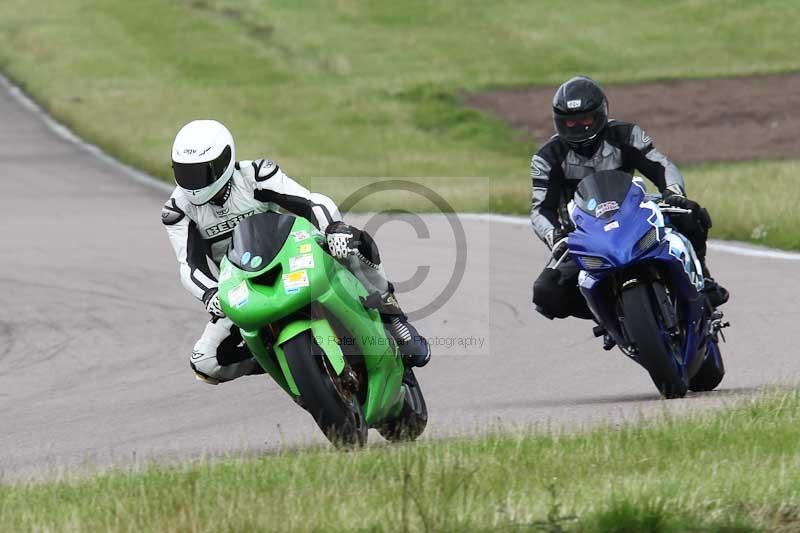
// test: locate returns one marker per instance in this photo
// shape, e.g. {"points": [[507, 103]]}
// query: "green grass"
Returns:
{"points": [[737, 469], [757, 202], [371, 88]]}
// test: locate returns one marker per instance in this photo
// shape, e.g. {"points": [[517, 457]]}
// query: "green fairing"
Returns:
{"points": [[325, 338], [254, 306]]}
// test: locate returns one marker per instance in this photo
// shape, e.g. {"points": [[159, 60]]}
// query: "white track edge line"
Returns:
{"points": [[68, 135], [65, 133]]}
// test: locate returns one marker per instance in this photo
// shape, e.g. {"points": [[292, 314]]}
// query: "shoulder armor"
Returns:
{"points": [[171, 213], [265, 169], [620, 133], [639, 138]]}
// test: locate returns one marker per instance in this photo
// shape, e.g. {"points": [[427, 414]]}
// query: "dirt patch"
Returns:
{"points": [[692, 121]]}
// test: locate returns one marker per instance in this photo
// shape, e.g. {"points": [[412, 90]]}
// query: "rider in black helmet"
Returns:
{"points": [[580, 114], [587, 141]]}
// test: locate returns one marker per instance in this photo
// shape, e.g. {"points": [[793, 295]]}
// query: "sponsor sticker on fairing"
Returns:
{"points": [[611, 225], [304, 248], [293, 281], [300, 262], [605, 207], [226, 273], [300, 235], [239, 295]]}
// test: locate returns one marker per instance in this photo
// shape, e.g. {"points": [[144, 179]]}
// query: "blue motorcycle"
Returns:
{"points": [[643, 283]]}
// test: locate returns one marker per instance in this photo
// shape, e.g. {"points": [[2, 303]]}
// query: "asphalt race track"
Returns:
{"points": [[95, 328]]}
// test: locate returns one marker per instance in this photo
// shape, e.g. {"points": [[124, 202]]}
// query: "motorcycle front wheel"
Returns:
{"points": [[336, 410], [654, 349]]}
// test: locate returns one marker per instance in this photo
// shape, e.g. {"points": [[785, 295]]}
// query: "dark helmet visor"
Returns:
{"points": [[195, 176], [580, 127]]}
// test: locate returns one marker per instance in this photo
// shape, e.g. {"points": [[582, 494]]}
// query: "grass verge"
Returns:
{"points": [[730, 470], [366, 89], [755, 202]]}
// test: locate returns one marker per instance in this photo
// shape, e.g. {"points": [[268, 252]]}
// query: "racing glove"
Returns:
{"points": [[677, 199], [211, 299], [557, 242], [342, 239]]}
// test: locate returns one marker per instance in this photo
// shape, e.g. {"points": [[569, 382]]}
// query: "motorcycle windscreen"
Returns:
{"points": [[601, 194], [258, 239]]}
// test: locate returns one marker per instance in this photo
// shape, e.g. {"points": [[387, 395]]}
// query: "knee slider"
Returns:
{"points": [[206, 365], [546, 287], [548, 296], [230, 352], [209, 367]]}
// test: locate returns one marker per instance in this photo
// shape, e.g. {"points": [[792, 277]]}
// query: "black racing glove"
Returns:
{"points": [[556, 241], [675, 200], [700, 214], [211, 299]]}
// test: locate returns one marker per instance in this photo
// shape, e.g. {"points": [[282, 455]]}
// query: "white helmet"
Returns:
{"points": [[203, 157]]}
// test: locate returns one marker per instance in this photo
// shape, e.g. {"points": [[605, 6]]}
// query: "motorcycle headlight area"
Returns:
{"points": [[590, 262], [650, 239]]}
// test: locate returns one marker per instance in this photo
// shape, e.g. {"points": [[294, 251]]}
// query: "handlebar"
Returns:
{"points": [[672, 210], [563, 256]]}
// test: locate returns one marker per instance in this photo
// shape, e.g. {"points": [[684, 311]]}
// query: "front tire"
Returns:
{"points": [[655, 353], [336, 410]]}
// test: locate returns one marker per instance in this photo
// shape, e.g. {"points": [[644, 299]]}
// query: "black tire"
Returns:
{"points": [[654, 352], [412, 419], [710, 374], [336, 411]]}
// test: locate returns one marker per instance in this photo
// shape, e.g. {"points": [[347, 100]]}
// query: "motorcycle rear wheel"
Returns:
{"points": [[655, 353], [336, 411], [710, 374], [412, 419]]}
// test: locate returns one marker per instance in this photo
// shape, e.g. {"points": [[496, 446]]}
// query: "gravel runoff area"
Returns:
{"points": [[693, 121]]}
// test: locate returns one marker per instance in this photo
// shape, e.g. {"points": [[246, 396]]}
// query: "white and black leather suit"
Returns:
{"points": [[200, 236]]}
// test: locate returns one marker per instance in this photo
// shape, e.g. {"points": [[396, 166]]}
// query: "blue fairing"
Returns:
{"points": [[612, 239], [607, 244]]}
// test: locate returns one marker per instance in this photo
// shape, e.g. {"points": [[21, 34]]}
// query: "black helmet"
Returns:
{"points": [[580, 112]]}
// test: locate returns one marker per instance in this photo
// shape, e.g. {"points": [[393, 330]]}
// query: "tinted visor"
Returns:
{"points": [[581, 127], [195, 176]]}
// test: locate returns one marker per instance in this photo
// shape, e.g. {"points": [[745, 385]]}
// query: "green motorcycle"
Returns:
{"points": [[304, 317]]}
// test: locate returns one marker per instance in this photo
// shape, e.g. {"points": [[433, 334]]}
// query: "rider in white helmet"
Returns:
{"points": [[214, 192]]}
